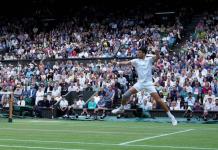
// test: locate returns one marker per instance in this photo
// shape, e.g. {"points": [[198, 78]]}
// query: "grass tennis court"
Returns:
{"points": [[25, 134]]}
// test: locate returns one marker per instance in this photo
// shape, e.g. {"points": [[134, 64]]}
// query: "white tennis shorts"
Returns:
{"points": [[147, 86]]}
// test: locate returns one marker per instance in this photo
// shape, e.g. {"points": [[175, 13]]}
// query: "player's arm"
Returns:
{"points": [[155, 56], [122, 63]]}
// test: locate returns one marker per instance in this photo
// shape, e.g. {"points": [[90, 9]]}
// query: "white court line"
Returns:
{"points": [[31, 147], [76, 131], [58, 142], [154, 137], [107, 144]]}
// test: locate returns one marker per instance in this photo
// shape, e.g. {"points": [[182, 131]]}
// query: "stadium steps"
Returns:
{"points": [[189, 29]]}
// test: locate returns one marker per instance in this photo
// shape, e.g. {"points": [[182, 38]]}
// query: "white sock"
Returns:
{"points": [[170, 115]]}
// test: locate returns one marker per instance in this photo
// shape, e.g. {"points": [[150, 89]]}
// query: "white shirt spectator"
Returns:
{"points": [[142, 96], [83, 54], [96, 99], [200, 79], [80, 104], [174, 106], [82, 80], [147, 105], [79, 88], [215, 108], [206, 97], [209, 106], [21, 103], [122, 80], [182, 80], [63, 103], [163, 49], [56, 77], [56, 92], [204, 72], [72, 88], [189, 89], [190, 101], [39, 96]]}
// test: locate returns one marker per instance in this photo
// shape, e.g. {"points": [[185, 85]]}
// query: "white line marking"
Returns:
{"points": [[30, 147], [106, 144], [59, 142], [154, 137], [76, 131]]}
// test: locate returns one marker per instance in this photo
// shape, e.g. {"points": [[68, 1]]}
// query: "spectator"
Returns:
{"points": [[190, 100], [18, 92], [215, 108], [39, 95], [146, 106], [42, 104], [174, 106], [206, 88], [197, 91], [197, 106], [101, 105], [32, 94], [79, 104], [183, 93], [208, 106], [56, 92], [174, 93], [142, 96], [21, 101], [209, 95], [91, 105], [63, 107]]}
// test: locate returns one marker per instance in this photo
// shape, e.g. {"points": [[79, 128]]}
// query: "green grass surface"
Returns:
{"points": [[25, 134]]}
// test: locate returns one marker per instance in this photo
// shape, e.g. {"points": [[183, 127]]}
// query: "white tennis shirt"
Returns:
{"points": [[143, 68]]}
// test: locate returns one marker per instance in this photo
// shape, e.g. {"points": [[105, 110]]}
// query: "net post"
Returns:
{"points": [[11, 108]]}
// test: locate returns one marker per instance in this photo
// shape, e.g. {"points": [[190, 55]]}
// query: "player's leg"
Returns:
{"points": [[151, 89], [125, 98], [157, 98]]}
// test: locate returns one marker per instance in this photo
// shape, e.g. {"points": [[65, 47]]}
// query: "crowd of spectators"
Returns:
{"points": [[87, 36], [185, 80]]}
